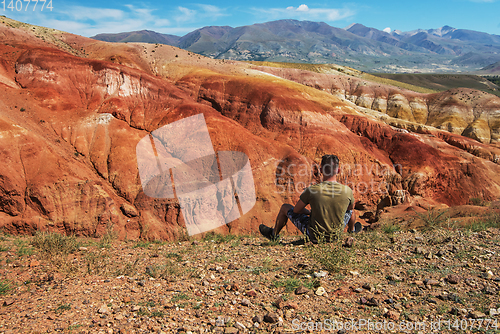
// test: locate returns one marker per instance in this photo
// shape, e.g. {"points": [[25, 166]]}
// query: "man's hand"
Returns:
{"points": [[300, 207]]}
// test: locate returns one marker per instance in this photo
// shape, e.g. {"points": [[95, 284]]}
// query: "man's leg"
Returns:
{"points": [[281, 219], [349, 220]]}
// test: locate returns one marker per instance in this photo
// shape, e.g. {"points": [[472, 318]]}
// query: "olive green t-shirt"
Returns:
{"points": [[329, 202]]}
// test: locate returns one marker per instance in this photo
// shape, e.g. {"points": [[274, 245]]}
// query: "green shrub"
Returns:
{"points": [[52, 244], [433, 217], [5, 287], [332, 256]]}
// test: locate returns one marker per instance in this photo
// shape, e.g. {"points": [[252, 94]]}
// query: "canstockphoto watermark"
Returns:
{"points": [[289, 177], [213, 188], [353, 325]]}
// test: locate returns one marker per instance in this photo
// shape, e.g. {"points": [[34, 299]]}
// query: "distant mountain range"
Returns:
{"points": [[435, 50]]}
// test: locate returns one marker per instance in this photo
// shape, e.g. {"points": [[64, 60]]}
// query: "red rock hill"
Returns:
{"points": [[72, 111]]}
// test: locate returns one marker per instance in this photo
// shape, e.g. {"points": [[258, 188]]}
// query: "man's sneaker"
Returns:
{"points": [[357, 228], [267, 232]]}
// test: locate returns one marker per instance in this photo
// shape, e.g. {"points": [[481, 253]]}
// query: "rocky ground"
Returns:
{"points": [[229, 284]]}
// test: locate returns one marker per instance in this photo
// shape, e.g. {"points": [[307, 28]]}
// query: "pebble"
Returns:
{"points": [[394, 277], [8, 302], [219, 322], [301, 290], [431, 282], [271, 318], [240, 326], [257, 319], [104, 309], [476, 315], [320, 291], [251, 293], [453, 279], [489, 290], [348, 242], [392, 315], [245, 302], [320, 274]]}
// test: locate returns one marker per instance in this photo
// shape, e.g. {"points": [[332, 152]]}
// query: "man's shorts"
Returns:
{"points": [[301, 221]]}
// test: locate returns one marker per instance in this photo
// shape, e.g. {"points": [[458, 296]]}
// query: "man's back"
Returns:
{"points": [[329, 201]]}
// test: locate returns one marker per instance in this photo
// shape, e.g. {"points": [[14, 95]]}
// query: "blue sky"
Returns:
{"points": [[88, 18]]}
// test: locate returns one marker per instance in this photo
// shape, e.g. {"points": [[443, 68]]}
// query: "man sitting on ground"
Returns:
{"points": [[332, 207]]}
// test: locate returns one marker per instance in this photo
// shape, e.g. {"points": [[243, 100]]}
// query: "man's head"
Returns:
{"points": [[329, 165]]}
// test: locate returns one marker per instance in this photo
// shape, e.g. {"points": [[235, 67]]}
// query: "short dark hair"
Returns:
{"points": [[329, 165]]}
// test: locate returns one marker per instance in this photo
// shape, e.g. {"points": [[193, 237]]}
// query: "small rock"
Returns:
{"points": [[230, 330], [419, 250], [488, 275], [392, 315], [135, 308], [271, 318], [320, 291], [359, 290], [368, 286], [493, 312], [394, 277], [348, 242], [257, 319], [453, 279], [301, 290], [431, 282], [240, 326], [413, 317], [279, 303], [232, 267], [104, 309], [418, 283], [292, 305], [251, 293], [219, 322], [476, 315], [126, 299], [354, 273], [321, 274], [211, 293], [369, 302], [245, 302], [489, 290], [234, 287], [8, 302], [83, 248]]}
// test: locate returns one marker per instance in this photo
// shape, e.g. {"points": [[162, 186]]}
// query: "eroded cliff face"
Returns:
{"points": [[69, 127], [467, 112]]}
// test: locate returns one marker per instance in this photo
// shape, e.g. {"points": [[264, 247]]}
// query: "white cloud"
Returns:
{"points": [[302, 8], [90, 21], [304, 12], [387, 30]]}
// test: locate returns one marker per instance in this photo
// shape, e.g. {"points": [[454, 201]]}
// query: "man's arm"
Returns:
{"points": [[352, 220], [300, 207]]}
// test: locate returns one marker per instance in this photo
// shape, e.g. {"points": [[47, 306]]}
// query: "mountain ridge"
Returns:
{"points": [[445, 49]]}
